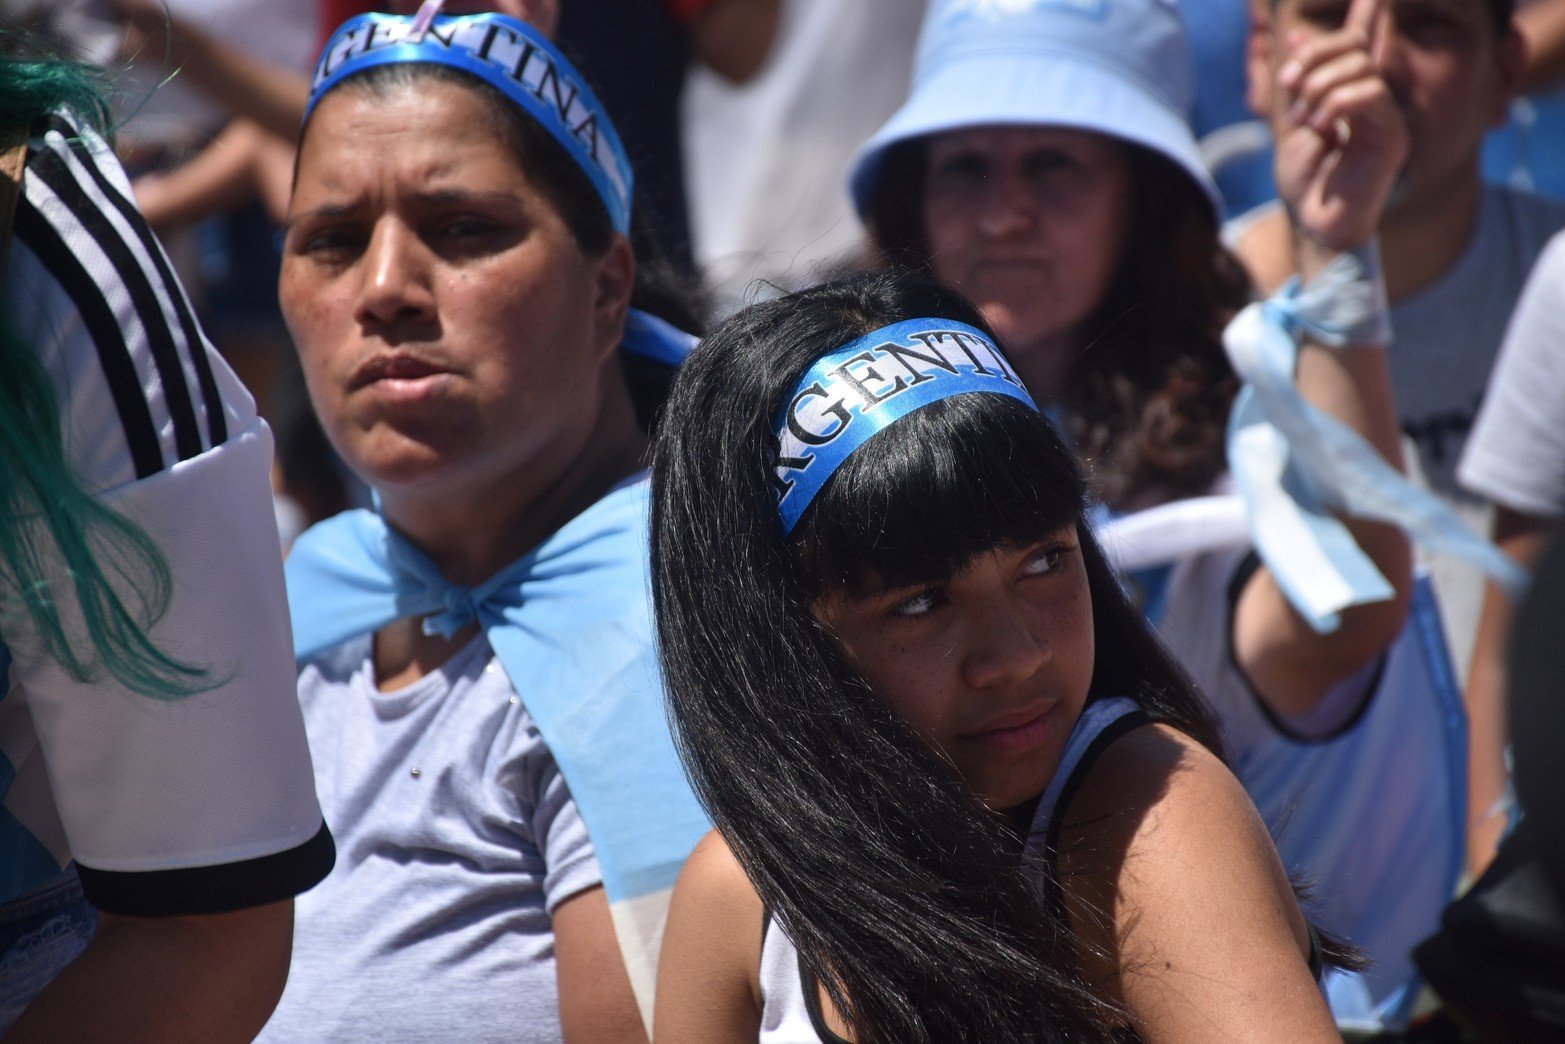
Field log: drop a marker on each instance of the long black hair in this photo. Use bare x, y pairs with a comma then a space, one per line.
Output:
904, 897
1146, 401
659, 287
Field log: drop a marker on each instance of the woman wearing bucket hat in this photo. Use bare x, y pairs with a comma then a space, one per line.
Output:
1042, 165
476, 662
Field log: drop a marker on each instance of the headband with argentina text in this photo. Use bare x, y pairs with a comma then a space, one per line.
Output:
862, 388
509, 55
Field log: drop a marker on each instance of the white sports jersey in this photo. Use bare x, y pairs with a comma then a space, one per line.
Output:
169, 806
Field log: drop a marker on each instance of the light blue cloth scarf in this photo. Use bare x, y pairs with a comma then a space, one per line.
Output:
570, 622
1299, 468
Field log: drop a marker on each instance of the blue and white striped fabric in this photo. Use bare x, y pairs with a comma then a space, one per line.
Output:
570, 622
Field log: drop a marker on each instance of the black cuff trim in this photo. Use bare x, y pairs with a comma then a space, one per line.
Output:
1242, 574
211, 889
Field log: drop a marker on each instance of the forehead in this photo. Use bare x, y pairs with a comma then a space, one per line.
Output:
434, 129
1004, 139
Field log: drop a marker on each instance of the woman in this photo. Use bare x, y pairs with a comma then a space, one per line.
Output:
158, 813
896, 657
477, 673
1042, 166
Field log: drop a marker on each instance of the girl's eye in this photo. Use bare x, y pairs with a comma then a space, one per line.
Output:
919, 605
1046, 560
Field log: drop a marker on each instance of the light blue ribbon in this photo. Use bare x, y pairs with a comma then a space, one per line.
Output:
570, 623
656, 339
509, 55
862, 388
1298, 467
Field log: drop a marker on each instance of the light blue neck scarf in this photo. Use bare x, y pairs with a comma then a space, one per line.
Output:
570, 622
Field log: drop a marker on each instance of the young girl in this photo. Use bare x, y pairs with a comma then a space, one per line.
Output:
1042, 166
960, 792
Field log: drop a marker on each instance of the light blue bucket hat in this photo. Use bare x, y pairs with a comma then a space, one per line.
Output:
1118, 67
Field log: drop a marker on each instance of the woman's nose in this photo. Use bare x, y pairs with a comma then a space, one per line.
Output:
1006, 208
396, 287
1006, 647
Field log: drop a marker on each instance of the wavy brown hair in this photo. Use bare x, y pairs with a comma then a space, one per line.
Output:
1147, 398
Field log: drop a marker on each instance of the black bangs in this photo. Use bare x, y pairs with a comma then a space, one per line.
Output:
918, 500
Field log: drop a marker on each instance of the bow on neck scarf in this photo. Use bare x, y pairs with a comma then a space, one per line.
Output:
570, 622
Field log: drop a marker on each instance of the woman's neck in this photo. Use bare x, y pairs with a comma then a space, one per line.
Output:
1045, 367
473, 530
475, 526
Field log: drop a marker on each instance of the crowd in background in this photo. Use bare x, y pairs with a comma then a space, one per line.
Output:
743, 121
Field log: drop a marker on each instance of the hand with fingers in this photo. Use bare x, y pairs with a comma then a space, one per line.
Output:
1343, 142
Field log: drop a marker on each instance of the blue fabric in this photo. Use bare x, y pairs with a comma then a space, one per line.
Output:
40, 934
1116, 67
1299, 468
834, 409
570, 622
512, 57
656, 339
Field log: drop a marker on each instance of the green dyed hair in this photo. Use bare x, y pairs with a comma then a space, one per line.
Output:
45, 514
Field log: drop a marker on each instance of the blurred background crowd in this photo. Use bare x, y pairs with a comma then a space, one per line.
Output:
741, 118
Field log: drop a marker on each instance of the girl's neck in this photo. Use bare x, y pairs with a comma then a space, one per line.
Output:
1018, 819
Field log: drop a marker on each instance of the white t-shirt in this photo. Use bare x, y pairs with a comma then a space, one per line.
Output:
1516, 456
766, 162
457, 839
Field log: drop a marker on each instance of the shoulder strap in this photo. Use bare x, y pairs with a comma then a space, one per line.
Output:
13, 163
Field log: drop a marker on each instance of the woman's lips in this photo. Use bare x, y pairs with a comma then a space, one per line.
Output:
401, 377
1023, 730
393, 367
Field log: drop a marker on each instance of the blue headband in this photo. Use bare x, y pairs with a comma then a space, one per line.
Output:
508, 55
862, 388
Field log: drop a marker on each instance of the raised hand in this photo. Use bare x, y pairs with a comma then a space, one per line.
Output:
1342, 142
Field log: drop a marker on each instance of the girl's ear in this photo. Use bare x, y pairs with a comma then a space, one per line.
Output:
614, 280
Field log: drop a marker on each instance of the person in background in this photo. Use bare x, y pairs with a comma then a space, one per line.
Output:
149, 730
476, 659
1456, 251
1043, 166
764, 159
1516, 461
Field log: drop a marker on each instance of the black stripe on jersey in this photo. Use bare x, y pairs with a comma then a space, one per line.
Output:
211, 889
195, 343
141, 436
50, 168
